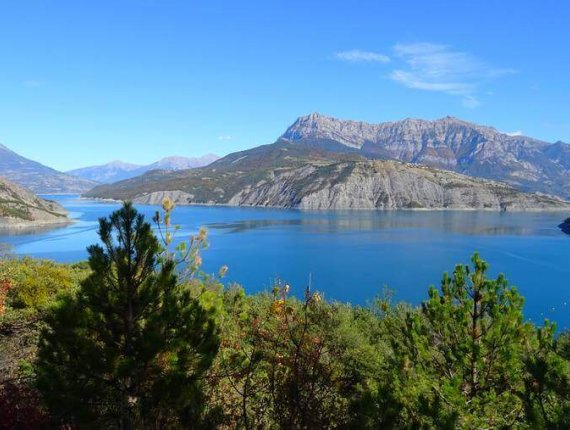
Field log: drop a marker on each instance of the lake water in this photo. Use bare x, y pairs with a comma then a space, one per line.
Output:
350, 255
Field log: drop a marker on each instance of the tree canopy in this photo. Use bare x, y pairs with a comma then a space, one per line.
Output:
131, 346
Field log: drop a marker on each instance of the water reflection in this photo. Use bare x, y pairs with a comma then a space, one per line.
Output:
243, 226
470, 223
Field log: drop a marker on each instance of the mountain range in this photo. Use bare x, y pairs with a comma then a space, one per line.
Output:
42, 179
447, 143
289, 174
325, 162
37, 177
118, 171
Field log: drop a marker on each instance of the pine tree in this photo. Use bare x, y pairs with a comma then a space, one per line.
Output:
463, 355
129, 350
547, 383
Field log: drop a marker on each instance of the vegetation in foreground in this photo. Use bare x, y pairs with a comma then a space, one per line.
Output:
140, 338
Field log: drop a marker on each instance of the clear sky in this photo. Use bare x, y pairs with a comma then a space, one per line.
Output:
84, 82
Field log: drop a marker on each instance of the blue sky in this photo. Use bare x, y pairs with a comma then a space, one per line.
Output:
86, 82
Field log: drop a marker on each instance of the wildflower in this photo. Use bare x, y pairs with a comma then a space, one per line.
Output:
197, 260
277, 306
223, 271
167, 204
202, 234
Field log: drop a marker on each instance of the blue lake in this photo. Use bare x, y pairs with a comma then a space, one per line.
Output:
350, 255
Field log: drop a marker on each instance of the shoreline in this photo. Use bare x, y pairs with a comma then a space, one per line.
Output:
438, 209
24, 225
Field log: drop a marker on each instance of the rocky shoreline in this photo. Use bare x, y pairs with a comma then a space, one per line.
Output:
152, 201
16, 224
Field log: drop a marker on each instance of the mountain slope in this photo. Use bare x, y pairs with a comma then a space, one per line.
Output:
37, 177
300, 176
230, 173
118, 171
447, 143
21, 207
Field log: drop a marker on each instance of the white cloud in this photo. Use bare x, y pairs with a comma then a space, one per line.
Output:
514, 133
225, 137
413, 80
358, 56
431, 67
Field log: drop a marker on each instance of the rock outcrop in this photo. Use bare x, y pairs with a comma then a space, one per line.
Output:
20, 207
387, 185
157, 197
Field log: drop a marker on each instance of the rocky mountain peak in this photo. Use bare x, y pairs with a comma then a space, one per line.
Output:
316, 116
447, 143
122, 164
316, 125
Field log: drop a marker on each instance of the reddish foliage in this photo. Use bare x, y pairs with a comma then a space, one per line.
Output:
4, 287
20, 408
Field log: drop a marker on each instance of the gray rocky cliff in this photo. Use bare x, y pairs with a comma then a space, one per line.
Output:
372, 184
388, 185
447, 143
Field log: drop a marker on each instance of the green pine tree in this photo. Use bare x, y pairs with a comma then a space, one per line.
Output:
129, 350
547, 383
462, 356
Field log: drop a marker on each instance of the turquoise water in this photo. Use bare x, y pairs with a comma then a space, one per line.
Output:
350, 256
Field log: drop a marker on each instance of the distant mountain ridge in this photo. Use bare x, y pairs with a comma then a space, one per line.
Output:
118, 170
106, 173
37, 177
447, 143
